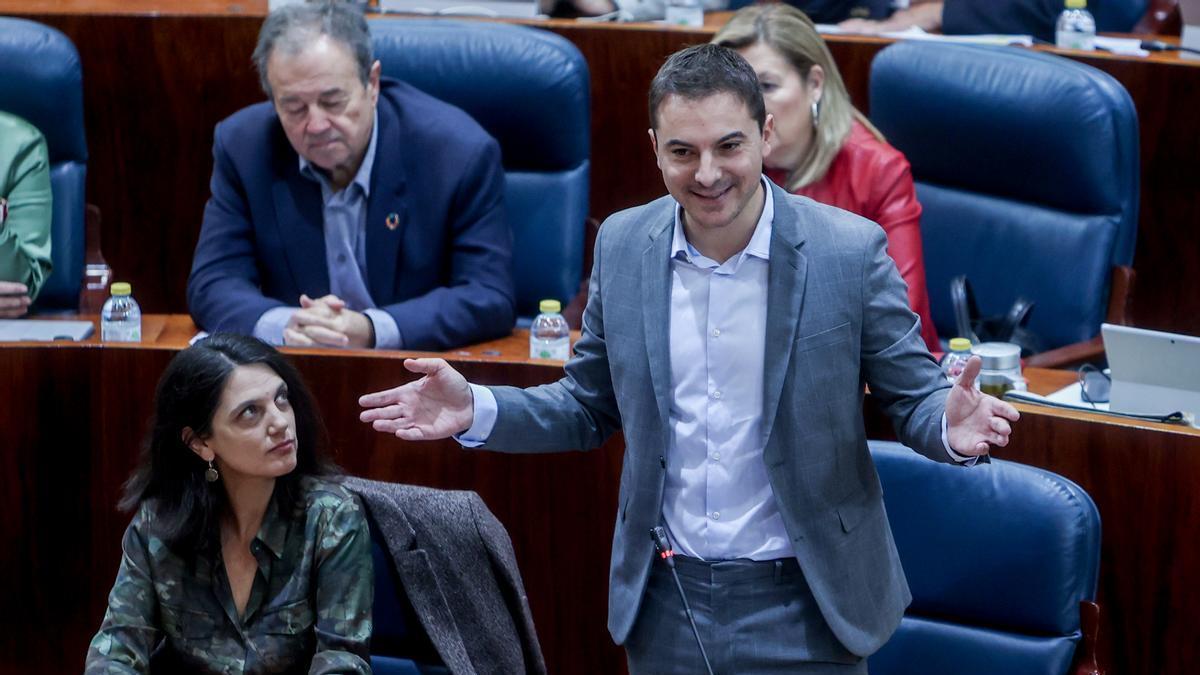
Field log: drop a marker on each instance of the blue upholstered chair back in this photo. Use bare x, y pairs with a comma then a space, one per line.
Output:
41, 80
530, 89
1118, 16
1026, 165
388, 617
998, 558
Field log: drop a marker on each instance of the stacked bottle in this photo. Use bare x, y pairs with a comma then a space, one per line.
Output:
121, 317
956, 359
1076, 28
549, 336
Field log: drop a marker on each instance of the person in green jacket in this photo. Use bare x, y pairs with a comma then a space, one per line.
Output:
24, 215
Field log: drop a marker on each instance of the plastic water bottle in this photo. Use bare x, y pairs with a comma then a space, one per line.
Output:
121, 318
549, 336
956, 359
1076, 27
685, 13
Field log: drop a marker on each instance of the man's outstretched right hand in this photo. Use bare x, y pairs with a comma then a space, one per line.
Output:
438, 405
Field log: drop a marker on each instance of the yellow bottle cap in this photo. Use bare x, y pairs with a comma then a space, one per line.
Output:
1076, 4
960, 345
549, 307
120, 288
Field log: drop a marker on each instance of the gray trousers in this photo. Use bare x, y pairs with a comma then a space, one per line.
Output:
753, 616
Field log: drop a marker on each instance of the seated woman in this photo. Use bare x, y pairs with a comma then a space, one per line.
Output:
824, 148
24, 215
245, 554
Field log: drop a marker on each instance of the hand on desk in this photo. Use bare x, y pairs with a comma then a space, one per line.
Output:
14, 300
326, 322
438, 405
975, 420
926, 16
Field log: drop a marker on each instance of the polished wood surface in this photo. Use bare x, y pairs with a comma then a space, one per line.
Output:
74, 414
159, 75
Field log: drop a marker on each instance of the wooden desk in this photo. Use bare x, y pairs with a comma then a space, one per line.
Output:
73, 414
71, 420
159, 75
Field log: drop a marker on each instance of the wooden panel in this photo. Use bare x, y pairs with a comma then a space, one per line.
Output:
71, 438
69, 433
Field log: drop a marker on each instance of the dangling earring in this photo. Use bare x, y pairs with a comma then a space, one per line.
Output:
210, 474
816, 113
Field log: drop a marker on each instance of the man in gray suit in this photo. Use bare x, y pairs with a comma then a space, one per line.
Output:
729, 330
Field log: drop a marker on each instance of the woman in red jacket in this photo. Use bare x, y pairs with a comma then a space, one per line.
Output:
824, 148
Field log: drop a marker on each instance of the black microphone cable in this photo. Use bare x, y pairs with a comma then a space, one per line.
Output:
659, 535
1160, 46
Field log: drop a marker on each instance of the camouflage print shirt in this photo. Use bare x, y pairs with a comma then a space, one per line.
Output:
309, 608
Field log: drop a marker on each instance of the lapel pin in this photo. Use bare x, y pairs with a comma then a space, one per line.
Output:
393, 221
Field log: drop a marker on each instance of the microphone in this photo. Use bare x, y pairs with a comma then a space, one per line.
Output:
659, 535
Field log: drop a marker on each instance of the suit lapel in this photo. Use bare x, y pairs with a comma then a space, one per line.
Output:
387, 213
656, 307
786, 277
300, 218
418, 581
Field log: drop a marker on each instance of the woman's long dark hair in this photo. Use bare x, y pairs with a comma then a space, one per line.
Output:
187, 508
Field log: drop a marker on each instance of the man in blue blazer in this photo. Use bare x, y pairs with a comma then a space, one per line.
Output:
729, 330
1007, 17
350, 210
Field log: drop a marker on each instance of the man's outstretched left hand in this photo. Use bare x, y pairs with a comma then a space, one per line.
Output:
976, 421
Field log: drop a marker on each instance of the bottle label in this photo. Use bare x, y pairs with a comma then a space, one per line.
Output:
1070, 39
558, 349
120, 331
693, 17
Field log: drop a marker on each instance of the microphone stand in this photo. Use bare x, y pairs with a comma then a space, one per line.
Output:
659, 535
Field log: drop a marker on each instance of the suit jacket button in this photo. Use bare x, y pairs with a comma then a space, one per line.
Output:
662, 461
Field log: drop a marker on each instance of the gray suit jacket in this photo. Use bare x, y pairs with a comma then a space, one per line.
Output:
456, 563
837, 318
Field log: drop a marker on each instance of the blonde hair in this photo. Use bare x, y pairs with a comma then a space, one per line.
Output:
790, 32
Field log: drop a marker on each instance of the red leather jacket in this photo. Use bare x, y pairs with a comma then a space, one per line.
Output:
872, 179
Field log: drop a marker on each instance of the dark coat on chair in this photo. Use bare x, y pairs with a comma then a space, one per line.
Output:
456, 563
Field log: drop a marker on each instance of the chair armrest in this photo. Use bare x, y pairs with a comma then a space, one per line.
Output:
1162, 17
97, 275
1120, 305
1120, 296
1087, 661
574, 309
1069, 356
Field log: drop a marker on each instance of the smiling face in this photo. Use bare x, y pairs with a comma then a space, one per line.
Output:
710, 151
789, 97
326, 111
253, 430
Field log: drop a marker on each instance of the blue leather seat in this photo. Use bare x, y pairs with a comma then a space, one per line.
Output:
998, 557
388, 616
41, 80
530, 89
1026, 165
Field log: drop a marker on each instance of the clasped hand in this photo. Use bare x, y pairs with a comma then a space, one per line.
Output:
326, 322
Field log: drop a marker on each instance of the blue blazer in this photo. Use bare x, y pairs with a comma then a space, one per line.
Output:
444, 274
1033, 17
